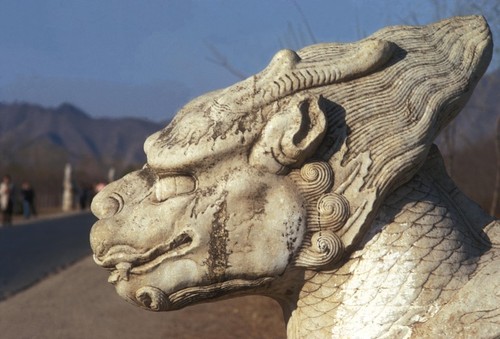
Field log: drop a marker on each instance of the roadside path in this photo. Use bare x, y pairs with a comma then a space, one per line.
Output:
45, 301
32, 250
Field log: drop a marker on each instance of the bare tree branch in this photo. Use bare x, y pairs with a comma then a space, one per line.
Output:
305, 22
294, 39
220, 59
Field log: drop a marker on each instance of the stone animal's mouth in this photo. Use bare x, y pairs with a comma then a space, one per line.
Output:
124, 259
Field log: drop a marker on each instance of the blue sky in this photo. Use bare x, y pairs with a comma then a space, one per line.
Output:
147, 58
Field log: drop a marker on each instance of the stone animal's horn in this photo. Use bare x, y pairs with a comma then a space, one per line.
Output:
288, 73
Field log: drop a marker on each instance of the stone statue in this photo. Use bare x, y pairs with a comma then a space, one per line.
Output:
67, 198
316, 182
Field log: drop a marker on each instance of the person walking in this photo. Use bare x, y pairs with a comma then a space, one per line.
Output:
28, 196
6, 201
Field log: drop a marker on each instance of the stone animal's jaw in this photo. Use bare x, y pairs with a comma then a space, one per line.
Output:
154, 299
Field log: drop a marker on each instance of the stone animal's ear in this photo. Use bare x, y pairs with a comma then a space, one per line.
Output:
291, 136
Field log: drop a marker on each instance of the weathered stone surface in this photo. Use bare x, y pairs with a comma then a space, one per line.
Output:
315, 182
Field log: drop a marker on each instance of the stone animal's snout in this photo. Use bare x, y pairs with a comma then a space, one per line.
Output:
107, 204
128, 206
124, 206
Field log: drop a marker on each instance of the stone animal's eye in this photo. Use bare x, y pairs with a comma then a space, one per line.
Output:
171, 186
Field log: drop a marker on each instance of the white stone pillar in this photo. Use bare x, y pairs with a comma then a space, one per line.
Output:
67, 198
111, 175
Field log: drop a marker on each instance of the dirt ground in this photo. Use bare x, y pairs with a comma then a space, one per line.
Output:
78, 303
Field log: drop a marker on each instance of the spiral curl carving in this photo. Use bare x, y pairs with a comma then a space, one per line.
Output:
333, 211
326, 248
152, 298
314, 178
327, 212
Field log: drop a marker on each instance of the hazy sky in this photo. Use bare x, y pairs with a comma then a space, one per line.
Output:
147, 58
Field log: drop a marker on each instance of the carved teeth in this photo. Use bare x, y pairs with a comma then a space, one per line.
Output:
114, 277
121, 273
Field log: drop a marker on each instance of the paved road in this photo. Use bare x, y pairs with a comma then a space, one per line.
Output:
30, 252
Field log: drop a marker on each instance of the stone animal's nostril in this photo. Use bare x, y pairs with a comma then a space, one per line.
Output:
106, 207
100, 250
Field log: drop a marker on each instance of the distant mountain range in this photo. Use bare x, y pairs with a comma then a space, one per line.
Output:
31, 135
36, 142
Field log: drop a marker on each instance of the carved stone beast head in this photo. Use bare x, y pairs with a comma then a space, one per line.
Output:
283, 172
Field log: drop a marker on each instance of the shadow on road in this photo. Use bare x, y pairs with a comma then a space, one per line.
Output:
32, 251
